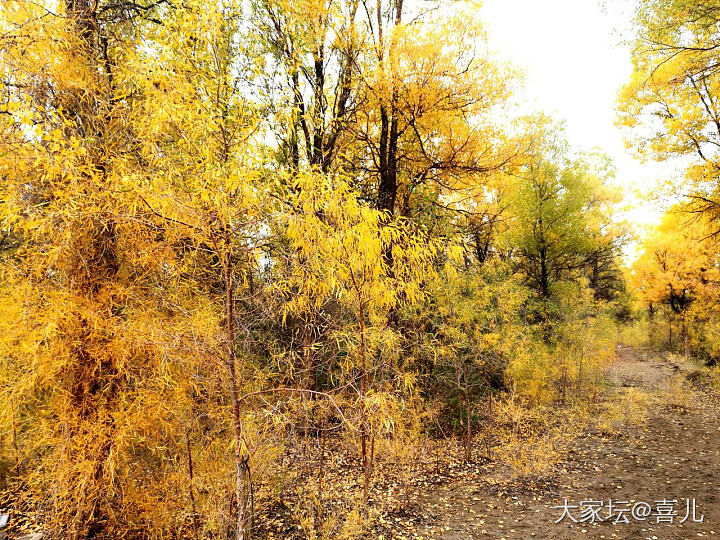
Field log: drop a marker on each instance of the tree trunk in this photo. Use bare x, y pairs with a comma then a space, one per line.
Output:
242, 467
363, 418
544, 278
468, 430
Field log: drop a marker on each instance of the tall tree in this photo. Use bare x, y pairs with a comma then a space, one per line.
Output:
670, 104
677, 268
132, 196
560, 213
64, 128
426, 125
311, 53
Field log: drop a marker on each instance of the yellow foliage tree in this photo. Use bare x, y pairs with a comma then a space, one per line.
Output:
341, 246
670, 104
123, 181
678, 270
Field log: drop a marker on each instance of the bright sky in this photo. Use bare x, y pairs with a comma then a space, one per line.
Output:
575, 62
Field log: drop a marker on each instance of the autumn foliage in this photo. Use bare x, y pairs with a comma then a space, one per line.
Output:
245, 245
669, 108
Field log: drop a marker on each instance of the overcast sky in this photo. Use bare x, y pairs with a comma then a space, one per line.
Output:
574, 60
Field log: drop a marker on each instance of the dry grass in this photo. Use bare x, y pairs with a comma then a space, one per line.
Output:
629, 409
530, 456
532, 440
678, 393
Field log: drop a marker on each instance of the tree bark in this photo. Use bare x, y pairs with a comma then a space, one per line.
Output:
242, 467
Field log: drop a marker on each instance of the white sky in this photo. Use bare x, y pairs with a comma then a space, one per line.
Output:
574, 61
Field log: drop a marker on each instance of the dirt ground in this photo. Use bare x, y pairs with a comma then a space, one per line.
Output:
674, 455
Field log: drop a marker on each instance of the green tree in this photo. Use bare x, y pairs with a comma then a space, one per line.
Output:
560, 215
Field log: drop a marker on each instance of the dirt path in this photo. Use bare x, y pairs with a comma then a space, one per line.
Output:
674, 455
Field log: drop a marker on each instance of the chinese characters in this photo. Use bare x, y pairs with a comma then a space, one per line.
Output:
616, 511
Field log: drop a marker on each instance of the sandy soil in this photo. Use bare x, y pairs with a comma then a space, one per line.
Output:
675, 455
